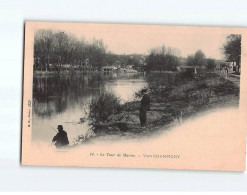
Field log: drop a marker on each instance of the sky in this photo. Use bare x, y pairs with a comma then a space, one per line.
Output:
130, 39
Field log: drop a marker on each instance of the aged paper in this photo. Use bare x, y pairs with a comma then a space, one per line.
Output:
134, 96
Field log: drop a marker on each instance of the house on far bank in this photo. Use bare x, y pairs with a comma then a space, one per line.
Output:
129, 69
109, 68
53, 67
65, 66
231, 67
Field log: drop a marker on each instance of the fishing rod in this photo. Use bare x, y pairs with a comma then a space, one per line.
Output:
52, 143
51, 127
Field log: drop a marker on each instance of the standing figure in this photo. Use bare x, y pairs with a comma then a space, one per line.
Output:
61, 139
144, 107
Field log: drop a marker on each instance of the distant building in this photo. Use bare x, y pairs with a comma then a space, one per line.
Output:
65, 66
109, 68
229, 66
129, 69
233, 67
129, 66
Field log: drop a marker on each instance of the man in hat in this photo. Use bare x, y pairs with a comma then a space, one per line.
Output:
61, 139
144, 107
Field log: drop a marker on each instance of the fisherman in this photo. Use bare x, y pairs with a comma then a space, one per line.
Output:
61, 139
144, 107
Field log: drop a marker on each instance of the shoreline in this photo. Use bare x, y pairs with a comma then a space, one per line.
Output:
77, 72
170, 106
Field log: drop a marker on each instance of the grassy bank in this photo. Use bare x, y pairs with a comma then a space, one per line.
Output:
171, 103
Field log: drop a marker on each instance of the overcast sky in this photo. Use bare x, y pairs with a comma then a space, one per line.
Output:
130, 39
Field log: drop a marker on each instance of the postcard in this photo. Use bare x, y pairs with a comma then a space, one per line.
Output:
134, 96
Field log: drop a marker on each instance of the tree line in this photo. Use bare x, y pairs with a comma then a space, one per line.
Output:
231, 50
199, 60
59, 48
163, 59
167, 59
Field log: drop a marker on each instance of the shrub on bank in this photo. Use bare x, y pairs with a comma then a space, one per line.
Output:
102, 106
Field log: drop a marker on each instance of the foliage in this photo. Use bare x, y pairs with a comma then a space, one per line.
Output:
198, 59
102, 106
163, 59
60, 48
190, 61
232, 48
119, 60
211, 63
185, 97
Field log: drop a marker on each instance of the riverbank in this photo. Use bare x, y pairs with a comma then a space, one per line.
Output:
171, 104
61, 73
77, 72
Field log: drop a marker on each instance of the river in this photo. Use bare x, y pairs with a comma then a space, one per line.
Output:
64, 100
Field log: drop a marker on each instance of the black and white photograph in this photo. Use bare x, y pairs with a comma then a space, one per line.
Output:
123, 96
138, 96
90, 86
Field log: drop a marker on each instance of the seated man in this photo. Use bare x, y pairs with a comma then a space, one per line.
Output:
61, 139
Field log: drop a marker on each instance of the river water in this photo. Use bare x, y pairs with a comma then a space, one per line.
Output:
64, 100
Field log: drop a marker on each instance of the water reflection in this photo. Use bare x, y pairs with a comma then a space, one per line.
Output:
62, 100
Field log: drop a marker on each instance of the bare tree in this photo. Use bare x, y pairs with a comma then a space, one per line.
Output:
43, 45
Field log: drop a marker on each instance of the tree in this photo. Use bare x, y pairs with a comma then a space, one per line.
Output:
211, 64
232, 49
198, 60
59, 48
43, 45
190, 60
132, 60
97, 54
162, 58
61, 43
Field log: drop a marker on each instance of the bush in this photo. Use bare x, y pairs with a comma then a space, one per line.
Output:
101, 107
183, 88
